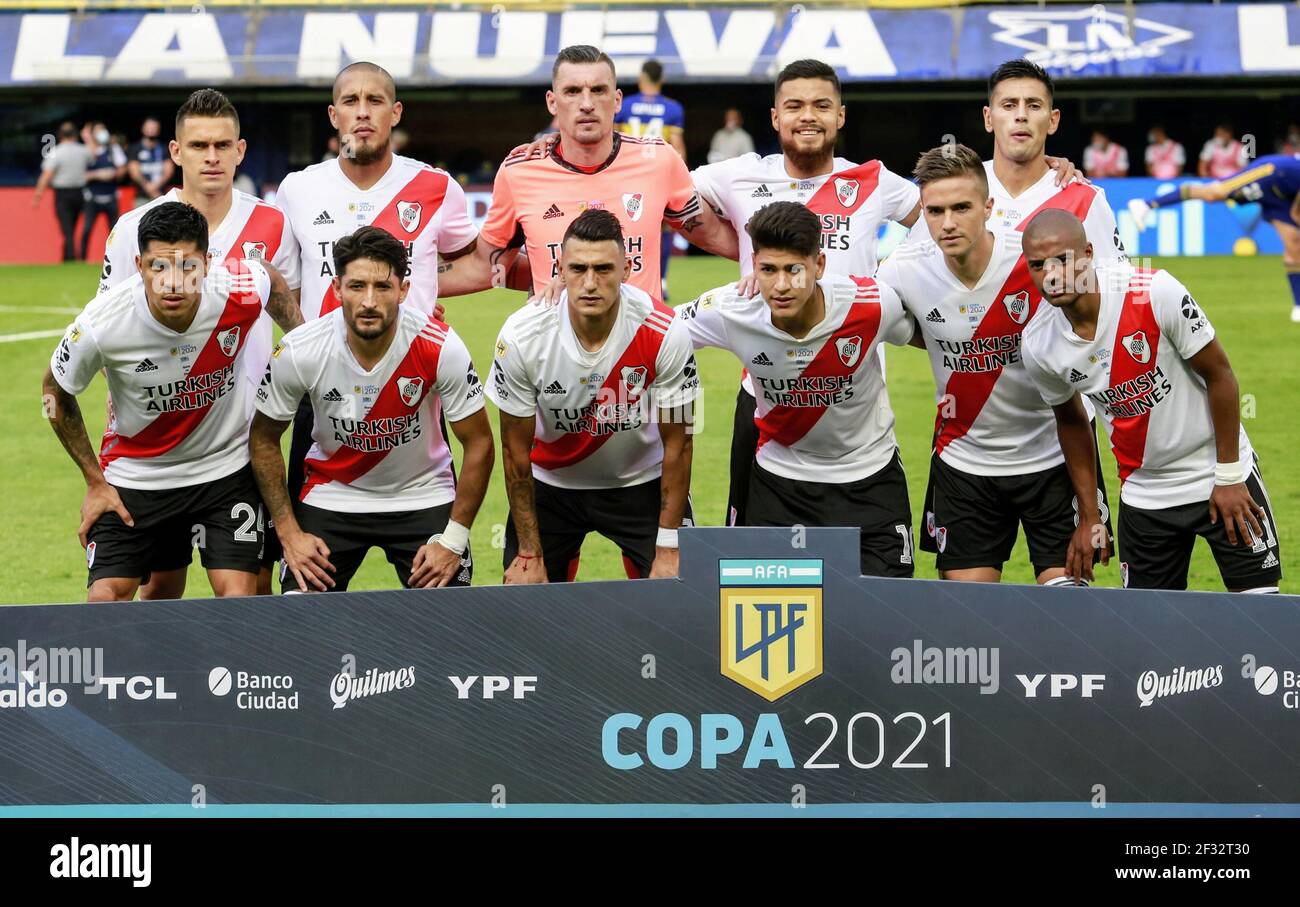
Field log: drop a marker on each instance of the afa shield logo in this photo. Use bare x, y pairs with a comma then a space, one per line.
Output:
409, 390
771, 614
408, 214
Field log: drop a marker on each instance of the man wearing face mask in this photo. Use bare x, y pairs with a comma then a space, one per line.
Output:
148, 164
107, 170
1165, 158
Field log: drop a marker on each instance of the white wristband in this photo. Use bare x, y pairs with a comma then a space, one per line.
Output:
667, 538
454, 538
1231, 473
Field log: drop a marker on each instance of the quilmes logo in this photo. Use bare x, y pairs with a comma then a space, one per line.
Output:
771, 623
1152, 686
1090, 36
951, 665
347, 686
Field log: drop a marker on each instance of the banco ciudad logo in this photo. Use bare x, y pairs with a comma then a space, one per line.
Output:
771, 612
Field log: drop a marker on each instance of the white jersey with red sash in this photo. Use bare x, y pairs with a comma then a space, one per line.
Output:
378, 445
1155, 408
1085, 201
251, 229
823, 413
420, 205
596, 410
180, 413
991, 420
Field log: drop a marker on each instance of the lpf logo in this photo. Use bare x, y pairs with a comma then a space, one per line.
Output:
771, 614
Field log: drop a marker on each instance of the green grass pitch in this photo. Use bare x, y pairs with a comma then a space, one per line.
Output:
41, 560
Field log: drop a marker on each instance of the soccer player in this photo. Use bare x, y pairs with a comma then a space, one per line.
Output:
826, 450
542, 187
649, 114
596, 397
1144, 351
1273, 182
172, 470
380, 471
996, 461
368, 184
852, 201
208, 150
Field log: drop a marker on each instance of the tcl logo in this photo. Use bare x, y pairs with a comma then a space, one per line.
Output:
1060, 684
135, 687
491, 684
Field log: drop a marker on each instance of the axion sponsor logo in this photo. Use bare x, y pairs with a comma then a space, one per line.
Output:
976, 665
346, 687
1152, 686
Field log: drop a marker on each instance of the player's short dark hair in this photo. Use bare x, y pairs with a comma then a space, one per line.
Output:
786, 226
595, 225
653, 70
581, 53
808, 69
948, 161
365, 66
206, 102
373, 244
1021, 69
173, 222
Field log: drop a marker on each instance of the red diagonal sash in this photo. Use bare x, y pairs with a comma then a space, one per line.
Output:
265, 224
347, 464
427, 189
826, 200
787, 424
169, 429
643, 351
1076, 198
967, 392
1128, 434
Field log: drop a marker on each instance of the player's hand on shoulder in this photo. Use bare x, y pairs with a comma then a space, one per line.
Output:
434, 566
101, 498
1065, 171
307, 557
665, 564
536, 148
747, 286
1239, 512
525, 570
550, 296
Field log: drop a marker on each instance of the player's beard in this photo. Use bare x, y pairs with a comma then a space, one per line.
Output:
362, 154
371, 333
811, 161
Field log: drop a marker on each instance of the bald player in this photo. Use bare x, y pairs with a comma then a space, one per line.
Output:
1135, 342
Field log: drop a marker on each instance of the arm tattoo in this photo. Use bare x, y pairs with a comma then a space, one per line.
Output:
71, 430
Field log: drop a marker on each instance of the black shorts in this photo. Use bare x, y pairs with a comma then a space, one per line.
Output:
744, 442
1155, 546
972, 521
350, 536
272, 550
878, 505
628, 517
222, 518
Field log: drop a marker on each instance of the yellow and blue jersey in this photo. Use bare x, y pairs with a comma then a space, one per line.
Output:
1273, 181
650, 116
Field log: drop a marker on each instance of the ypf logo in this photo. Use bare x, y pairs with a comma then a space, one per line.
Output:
771, 614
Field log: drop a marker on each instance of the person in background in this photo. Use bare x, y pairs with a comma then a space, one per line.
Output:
731, 140
1222, 156
1290, 143
1104, 158
649, 114
65, 167
331, 149
1165, 158
401, 140
149, 164
108, 167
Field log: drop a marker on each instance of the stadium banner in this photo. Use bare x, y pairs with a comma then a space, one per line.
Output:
272, 46
770, 679
1192, 228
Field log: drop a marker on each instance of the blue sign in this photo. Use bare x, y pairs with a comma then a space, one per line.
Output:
1192, 228
423, 47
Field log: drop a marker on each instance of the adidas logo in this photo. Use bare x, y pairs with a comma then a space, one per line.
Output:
333, 396
146, 366
322, 219
553, 211
1076, 376
935, 318
761, 192
1270, 561
760, 359
554, 387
